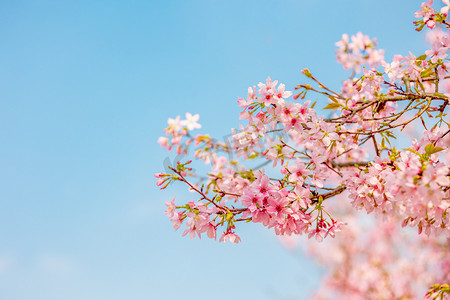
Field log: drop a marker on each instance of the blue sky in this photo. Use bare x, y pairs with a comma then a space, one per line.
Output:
86, 88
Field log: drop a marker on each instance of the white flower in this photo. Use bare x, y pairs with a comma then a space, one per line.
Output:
191, 121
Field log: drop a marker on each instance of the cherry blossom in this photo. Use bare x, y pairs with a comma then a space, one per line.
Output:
444, 10
191, 121
334, 149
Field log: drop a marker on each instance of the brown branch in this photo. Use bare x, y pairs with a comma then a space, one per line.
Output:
425, 108
375, 145
401, 97
429, 78
333, 193
435, 142
245, 219
350, 164
324, 87
195, 189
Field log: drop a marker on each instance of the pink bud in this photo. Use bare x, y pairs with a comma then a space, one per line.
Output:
405, 222
163, 141
164, 186
176, 140
160, 181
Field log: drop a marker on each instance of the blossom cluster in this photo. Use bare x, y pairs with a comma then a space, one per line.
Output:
386, 263
358, 50
430, 17
349, 155
319, 158
177, 129
411, 184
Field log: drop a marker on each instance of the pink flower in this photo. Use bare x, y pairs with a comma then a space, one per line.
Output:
163, 141
335, 227
444, 10
436, 53
361, 50
262, 185
393, 70
195, 224
317, 233
443, 70
278, 208
426, 11
303, 197
251, 200
281, 93
177, 220
171, 207
270, 85
231, 236
210, 229
298, 172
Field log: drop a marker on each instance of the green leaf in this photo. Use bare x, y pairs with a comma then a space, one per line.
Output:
431, 149
421, 85
428, 149
332, 99
253, 156
390, 134
436, 150
332, 106
440, 95
412, 150
422, 57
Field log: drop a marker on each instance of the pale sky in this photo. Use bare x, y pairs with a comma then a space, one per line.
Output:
86, 88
